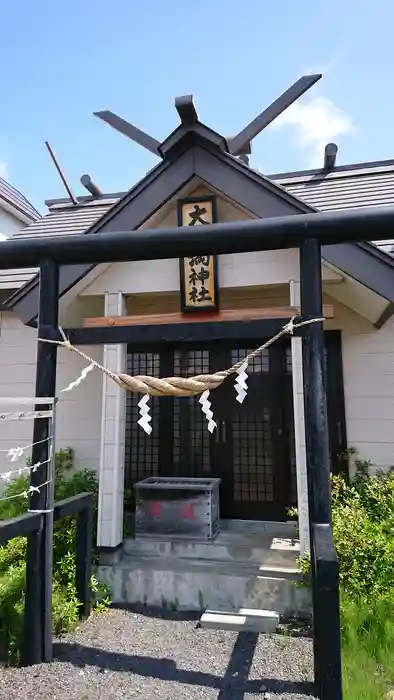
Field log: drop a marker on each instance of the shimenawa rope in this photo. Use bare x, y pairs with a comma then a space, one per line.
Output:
177, 386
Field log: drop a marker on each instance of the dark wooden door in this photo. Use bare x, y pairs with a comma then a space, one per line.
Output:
252, 450
248, 451
192, 443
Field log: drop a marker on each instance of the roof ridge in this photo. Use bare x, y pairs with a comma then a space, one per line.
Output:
18, 200
85, 199
350, 169
69, 206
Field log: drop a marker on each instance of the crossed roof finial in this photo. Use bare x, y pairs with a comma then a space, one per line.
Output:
237, 145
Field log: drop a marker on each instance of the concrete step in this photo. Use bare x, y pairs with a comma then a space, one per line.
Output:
269, 589
197, 585
245, 620
289, 573
227, 547
235, 568
260, 527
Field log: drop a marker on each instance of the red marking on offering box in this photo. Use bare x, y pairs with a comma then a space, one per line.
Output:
188, 511
156, 509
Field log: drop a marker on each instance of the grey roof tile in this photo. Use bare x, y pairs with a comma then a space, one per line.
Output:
342, 189
13, 279
366, 184
11, 195
64, 220
346, 187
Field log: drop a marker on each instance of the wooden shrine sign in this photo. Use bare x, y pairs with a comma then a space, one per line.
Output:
198, 275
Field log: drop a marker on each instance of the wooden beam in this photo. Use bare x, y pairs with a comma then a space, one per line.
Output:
132, 132
180, 318
185, 107
387, 313
148, 337
241, 142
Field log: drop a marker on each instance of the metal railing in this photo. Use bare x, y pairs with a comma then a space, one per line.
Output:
35, 617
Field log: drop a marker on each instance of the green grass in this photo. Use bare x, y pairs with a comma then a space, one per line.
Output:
368, 648
361, 678
363, 527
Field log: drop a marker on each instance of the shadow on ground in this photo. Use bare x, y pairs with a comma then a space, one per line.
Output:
234, 684
162, 613
294, 627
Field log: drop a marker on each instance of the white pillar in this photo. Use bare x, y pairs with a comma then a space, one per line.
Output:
299, 428
111, 484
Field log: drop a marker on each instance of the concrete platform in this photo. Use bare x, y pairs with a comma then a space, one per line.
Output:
231, 547
241, 568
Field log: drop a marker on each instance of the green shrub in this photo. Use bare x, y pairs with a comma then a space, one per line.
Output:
65, 606
363, 529
12, 586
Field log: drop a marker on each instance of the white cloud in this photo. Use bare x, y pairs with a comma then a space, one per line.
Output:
3, 170
334, 61
314, 124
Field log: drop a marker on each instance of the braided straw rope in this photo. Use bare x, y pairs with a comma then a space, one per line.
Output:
178, 386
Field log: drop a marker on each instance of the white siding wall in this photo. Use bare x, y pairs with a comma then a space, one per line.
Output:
247, 269
79, 412
368, 367
242, 270
9, 224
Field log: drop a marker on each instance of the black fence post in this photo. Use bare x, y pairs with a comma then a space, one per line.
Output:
83, 557
328, 667
327, 658
38, 601
313, 359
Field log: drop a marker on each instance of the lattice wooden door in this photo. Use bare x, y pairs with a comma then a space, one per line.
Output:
253, 453
249, 451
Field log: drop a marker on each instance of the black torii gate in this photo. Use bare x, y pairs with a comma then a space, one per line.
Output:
307, 232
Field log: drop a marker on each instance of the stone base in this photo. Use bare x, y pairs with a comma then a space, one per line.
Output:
252, 570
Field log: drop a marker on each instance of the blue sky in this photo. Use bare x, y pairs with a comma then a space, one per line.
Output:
63, 60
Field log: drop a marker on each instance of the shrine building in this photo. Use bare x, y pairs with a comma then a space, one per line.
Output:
198, 315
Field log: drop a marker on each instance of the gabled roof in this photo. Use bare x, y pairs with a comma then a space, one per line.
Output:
197, 155
17, 201
345, 187
66, 218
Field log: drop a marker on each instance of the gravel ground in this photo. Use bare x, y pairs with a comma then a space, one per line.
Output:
121, 654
